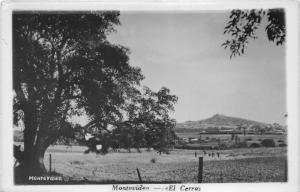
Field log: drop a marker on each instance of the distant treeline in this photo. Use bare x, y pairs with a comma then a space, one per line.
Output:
184, 130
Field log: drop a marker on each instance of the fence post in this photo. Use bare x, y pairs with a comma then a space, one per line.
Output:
50, 163
139, 175
221, 177
285, 170
200, 170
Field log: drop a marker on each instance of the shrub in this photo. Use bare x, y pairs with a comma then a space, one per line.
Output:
280, 141
268, 143
153, 160
255, 145
282, 145
242, 145
239, 145
223, 146
77, 162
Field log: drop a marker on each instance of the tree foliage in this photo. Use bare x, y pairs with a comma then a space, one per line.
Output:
148, 123
243, 24
63, 65
154, 111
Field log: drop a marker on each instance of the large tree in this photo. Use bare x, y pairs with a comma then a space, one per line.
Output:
148, 123
243, 24
63, 65
155, 109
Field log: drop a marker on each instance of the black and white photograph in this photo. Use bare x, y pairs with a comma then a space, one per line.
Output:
112, 96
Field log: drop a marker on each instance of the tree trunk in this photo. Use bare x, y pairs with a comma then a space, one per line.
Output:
36, 162
32, 165
37, 138
32, 162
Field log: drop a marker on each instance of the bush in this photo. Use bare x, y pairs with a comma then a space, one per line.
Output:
77, 162
242, 145
223, 146
282, 145
280, 141
268, 143
239, 145
255, 145
153, 160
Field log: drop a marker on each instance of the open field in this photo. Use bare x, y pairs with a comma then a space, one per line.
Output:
235, 165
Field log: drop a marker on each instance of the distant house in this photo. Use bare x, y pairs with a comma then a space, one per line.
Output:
192, 140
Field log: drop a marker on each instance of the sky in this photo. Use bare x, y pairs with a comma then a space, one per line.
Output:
183, 52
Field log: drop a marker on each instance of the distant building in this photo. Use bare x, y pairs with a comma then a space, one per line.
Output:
192, 140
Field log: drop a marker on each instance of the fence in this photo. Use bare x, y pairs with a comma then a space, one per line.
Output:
200, 170
214, 171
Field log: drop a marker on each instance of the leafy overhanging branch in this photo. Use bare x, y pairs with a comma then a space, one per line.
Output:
243, 24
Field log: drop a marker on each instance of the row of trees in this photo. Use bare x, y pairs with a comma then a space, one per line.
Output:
64, 66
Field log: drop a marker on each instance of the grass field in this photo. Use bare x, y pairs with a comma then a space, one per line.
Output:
235, 165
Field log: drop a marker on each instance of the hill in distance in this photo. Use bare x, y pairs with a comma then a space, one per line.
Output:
218, 120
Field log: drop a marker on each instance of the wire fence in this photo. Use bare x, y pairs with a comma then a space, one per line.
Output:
206, 168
